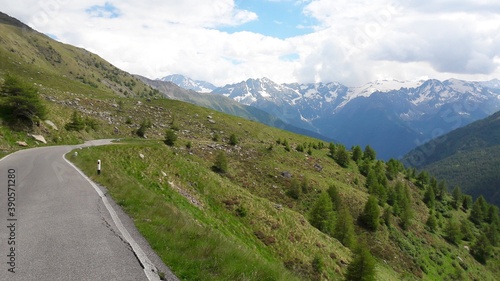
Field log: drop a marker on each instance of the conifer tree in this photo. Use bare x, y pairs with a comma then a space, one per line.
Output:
362, 266
357, 153
369, 153
370, 218
334, 196
295, 189
467, 202
365, 167
441, 190
477, 214
322, 215
332, 149
344, 227
452, 232
20, 103
481, 250
429, 197
422, 179
341, 156
431, 222
457, 197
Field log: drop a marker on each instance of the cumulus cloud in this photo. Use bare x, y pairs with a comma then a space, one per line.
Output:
352, 42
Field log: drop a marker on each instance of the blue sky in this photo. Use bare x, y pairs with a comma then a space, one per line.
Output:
226, 41
280, 19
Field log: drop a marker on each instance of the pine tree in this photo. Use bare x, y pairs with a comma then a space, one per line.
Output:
431, 222
170, 137
365, 167
362, 267
322, 215
369, 153
467, 202
344, 227
477, 214
332, 149
357, 153
404, 203
295, 189
341, 156
481, 250
457, 197
393, 168
21, 104
422, 179
441, 190
452, 232
370, 218
334, 196
429, 197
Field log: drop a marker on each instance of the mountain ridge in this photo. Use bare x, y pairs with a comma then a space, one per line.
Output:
417, 111
467, 157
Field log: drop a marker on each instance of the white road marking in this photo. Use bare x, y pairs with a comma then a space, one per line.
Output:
149, 268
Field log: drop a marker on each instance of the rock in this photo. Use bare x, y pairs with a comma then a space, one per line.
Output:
286, 175
211, 121
163, 173
141, 155
39, 138
21, 143
318, 167
51, 124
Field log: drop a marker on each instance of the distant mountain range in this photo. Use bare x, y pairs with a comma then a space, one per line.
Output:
189, 84
224, 104
391, 116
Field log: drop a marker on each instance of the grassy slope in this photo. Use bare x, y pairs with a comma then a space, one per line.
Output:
255, 184
273, 240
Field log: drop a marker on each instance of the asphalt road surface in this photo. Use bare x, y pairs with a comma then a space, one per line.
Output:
56, 225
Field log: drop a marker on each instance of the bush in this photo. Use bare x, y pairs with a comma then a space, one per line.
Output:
76, 123
20, 105
146, 124
220, 164
170, 137
233, 140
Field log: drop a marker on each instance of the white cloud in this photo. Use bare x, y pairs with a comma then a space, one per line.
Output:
355, 41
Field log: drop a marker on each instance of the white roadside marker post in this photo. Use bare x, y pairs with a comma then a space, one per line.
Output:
99, 167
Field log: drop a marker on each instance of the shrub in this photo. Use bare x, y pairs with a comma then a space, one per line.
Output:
20, 104
221, 164
76, 123
146, 124
170, 137
233, 140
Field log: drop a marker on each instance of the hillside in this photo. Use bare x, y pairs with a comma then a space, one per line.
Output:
232, 199
467, 157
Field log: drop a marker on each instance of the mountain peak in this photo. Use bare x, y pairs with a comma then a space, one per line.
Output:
188, 83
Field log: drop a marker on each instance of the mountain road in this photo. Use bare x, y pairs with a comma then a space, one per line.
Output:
55, 224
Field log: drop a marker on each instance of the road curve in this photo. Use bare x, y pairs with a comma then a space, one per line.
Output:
56, 225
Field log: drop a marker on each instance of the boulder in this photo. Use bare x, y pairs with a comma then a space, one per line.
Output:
39, 138
21, 143
51, 124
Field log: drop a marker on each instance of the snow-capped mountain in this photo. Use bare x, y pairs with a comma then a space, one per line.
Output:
188, 83
392, 116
